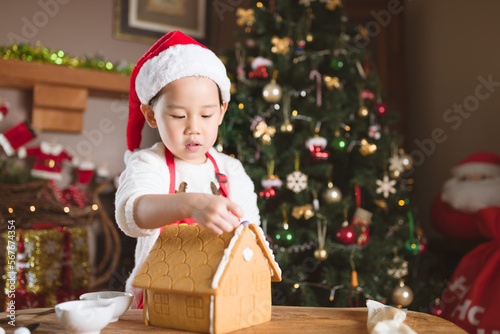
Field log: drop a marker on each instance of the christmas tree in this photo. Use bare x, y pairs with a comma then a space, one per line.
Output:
308, 120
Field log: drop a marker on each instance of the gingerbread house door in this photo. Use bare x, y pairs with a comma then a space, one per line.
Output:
247, 307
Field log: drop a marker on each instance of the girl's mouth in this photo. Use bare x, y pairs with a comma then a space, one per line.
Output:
193, 146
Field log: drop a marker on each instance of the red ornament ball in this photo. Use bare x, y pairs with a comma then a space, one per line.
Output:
346, 235
436, 310
381, 109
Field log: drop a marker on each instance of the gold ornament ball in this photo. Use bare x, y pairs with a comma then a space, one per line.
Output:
309, 38
363, 112
332, 195
287, 127
395, 173
321, 254
272, 92
402, 295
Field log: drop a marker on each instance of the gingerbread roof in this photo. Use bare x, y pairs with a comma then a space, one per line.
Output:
189, 258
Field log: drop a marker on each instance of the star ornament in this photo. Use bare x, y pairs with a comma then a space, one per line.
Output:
386, 186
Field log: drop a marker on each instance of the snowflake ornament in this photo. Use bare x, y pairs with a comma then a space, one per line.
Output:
51, 275
400, 268
51, 246
78, 242
386, 186
29, 248
31, 278
78, 272
396, 163
296, 181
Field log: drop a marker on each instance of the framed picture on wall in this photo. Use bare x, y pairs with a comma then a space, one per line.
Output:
148, 20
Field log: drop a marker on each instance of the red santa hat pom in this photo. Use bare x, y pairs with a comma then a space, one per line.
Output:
483, 163
15, 137
4, 109
172, 57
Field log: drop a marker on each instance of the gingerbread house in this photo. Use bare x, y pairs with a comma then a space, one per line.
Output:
199, 281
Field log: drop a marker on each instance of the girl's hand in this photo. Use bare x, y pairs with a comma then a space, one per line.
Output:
216, 213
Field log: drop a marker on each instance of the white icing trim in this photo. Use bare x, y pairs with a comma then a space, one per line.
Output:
247, 254
225, 257
7, 147
212, 299
270, 251
180, 61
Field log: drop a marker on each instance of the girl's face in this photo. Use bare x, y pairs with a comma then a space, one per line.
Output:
187, 114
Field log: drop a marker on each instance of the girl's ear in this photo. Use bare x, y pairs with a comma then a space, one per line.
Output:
149, 115
223, 109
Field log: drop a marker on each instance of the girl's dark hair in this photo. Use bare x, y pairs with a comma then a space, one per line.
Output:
154, 99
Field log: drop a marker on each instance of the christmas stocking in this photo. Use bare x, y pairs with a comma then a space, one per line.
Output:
14, 138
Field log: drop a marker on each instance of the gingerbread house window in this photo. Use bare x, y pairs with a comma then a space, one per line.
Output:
231, 288
260, 280
194, 307
160, 302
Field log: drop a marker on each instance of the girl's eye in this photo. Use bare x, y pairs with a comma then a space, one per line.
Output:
177, 117
206, 116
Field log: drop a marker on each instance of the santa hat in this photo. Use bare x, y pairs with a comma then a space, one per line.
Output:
172, 57
484, 163
16, 137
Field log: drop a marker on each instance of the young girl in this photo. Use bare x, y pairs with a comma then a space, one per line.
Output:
181, 88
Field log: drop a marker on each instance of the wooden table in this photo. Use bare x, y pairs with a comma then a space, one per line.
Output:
285, 319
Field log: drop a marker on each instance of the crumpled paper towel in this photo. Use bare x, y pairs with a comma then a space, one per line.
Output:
383, 319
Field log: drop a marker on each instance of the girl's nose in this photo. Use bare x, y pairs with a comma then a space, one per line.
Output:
192, 126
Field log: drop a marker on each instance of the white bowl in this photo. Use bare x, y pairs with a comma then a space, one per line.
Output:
85, 316
122, 300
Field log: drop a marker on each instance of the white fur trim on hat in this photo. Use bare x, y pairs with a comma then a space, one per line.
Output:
7, 147
476, 168
316, 141
180, 61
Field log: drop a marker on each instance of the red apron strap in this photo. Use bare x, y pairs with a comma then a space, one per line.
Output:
169, 157
221, 178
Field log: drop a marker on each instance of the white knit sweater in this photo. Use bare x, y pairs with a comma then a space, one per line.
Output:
147, 173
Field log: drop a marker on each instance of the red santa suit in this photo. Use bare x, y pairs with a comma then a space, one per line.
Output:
49, 160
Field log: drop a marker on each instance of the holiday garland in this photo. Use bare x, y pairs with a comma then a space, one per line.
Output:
41, 54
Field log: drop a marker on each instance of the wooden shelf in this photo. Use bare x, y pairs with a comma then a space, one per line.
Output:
53, 108
24, 75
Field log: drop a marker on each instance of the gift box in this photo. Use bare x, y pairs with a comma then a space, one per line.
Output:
51, 265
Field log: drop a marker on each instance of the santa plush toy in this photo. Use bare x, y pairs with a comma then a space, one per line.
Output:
475, 185
469, 207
